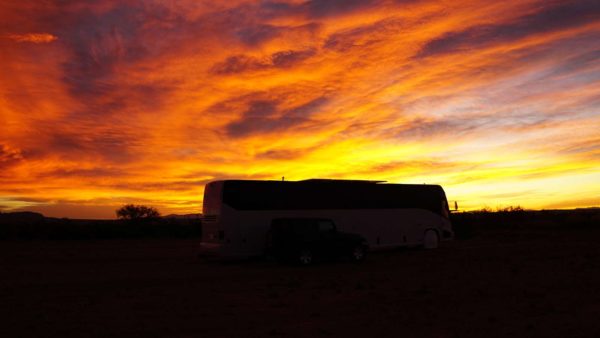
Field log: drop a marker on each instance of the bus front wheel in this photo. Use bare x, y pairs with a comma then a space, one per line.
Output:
431, 239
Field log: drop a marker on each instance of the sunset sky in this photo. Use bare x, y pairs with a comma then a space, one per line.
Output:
110, 102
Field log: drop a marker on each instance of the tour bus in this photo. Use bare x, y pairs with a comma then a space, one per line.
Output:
237, 214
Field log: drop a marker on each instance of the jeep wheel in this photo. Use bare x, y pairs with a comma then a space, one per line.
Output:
305, 257
358, 253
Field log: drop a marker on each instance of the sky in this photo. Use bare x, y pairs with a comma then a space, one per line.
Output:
104, 103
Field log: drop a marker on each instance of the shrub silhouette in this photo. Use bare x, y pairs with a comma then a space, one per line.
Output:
134, 212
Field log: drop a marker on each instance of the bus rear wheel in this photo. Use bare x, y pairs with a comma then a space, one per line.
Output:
431, 239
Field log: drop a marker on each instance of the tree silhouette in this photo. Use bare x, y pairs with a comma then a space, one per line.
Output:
137, 212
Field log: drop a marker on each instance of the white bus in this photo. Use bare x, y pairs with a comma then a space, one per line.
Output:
237, 214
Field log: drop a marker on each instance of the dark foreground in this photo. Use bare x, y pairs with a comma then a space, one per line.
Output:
525, 283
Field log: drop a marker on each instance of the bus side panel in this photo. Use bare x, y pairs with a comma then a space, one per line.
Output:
388, 227
245, 232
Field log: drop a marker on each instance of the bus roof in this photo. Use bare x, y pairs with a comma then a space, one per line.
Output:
328, 181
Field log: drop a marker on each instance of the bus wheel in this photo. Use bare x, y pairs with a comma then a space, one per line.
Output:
305, 257
359, 253
431, 240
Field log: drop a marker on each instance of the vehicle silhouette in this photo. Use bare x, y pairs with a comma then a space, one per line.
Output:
306, 240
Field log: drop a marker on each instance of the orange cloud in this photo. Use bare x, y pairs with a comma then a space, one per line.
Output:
146, 102
32, 37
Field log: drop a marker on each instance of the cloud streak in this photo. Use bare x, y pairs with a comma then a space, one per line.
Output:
32, 37
553, 18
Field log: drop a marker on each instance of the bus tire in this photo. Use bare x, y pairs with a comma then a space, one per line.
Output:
431, 239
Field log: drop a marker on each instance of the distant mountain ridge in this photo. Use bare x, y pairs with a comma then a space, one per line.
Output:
30, 216
185, 216
33, 225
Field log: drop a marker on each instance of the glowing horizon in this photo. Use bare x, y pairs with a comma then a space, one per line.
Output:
105, 102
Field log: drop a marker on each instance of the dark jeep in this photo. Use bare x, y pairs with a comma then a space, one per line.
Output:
304, 240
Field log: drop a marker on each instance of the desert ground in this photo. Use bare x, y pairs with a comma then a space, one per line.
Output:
500, 283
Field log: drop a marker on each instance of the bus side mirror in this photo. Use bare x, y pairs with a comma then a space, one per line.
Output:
455, 206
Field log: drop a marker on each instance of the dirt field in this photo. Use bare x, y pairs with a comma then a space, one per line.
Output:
528, 284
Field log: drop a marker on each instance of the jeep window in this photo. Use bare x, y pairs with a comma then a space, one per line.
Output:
326, 226
304, 227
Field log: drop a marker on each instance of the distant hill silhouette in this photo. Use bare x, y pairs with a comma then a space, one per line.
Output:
185, 216
468, 224
21, 217
32, 225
